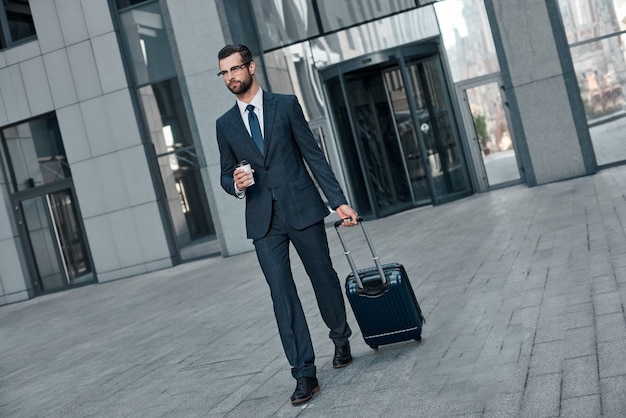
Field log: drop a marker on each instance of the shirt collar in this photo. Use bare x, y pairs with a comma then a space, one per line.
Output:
257, 102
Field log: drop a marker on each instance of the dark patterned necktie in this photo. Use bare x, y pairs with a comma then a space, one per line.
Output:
255, 128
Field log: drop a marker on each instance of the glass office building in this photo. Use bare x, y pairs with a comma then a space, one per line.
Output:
109, 165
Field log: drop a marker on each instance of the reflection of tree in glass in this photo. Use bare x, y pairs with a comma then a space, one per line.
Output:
480, 124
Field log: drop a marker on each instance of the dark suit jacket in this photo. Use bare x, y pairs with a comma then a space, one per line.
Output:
281, 172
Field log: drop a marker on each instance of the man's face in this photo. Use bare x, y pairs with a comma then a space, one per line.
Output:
237, 80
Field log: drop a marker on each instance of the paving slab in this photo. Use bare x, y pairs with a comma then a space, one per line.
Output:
523, 290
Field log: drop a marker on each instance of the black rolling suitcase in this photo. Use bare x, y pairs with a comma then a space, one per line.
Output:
382, 299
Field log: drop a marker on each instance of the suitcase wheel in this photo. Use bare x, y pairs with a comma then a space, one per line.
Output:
374, 347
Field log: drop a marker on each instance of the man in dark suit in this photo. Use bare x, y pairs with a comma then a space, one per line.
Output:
283, 206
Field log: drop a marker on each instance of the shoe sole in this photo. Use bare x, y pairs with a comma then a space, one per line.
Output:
339, 366
303, 400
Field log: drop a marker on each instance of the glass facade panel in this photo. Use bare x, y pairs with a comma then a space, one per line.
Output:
467, 38
20, 20
601, 67
595, 31
492, 133
178, 160
71, 241
408, 136
376, 136
350, 152
122, 4
437, 127
35, 152
389, 32
147, 43
341, 14
589, 19
293, 70
282, 22
36, 212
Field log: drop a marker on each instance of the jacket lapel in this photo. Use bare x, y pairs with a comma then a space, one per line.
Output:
269, 114
240, 129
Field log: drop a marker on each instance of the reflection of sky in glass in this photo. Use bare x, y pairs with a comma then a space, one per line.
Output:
400, 29
467, 38
450, 16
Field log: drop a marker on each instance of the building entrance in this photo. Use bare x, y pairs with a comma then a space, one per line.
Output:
54, 240
491, 144
396, 131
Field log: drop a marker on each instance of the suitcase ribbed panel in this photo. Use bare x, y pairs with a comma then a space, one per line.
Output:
391, 316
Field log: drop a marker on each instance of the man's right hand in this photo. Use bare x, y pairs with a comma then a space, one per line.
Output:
242, 179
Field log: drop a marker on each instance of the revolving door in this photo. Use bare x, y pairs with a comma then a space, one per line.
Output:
396, 131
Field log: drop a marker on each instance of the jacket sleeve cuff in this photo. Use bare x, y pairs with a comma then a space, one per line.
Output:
239, 193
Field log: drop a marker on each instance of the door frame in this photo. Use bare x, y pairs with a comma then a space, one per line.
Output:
478, 174
42, 192
398, 57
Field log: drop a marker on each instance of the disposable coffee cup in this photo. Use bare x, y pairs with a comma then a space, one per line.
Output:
245, 166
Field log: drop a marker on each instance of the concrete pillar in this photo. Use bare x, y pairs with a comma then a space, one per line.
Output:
541, 89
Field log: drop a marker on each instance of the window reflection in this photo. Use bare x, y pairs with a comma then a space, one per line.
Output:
599, 63
351, 156
283, 22
389, 32
147, 43
292, 70
589, 19
36, 154
467, 38
341, 14
121, 4
19, 19
178, 160
601, 77
595, 31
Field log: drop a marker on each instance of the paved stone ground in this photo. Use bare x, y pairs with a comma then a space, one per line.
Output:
523, 290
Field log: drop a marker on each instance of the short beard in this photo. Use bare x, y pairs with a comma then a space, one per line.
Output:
242, 87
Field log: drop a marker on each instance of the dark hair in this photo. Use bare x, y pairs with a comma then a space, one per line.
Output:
228, 50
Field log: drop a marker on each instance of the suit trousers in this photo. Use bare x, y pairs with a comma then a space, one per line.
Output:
311, 245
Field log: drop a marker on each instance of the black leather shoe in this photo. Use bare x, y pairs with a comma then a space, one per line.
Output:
306, 387
342, 356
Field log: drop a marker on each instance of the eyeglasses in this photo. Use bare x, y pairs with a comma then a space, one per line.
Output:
234, 70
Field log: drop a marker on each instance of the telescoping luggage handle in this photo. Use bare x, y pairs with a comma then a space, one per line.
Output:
346, 251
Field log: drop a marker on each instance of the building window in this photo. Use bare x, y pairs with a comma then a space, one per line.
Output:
147, 43
467, 37
178, 160
122, 4
286, 22
282, 22
149, 56
16, 22
35, 153
596, 32
337, 15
